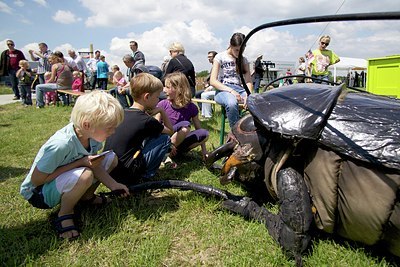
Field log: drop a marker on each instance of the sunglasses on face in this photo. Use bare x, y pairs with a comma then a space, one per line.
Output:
10, 44
323, 43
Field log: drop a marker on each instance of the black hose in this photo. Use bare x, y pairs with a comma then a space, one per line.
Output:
177, 184
343, 17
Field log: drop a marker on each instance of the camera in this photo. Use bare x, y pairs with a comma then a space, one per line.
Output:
267, 64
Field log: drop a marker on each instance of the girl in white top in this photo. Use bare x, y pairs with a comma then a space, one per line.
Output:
225, 78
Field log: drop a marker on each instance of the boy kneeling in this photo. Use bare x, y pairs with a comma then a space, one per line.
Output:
141, 141
65, 169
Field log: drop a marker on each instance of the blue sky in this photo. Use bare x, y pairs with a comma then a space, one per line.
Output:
200, 25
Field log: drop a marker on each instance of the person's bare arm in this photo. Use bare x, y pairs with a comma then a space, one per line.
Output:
160, 115
92, 162
220, 86
39, 178
247, 77
214, 78
53, 73
196, 122
114, 81
124, 89
104, 177
32, 53
18, 73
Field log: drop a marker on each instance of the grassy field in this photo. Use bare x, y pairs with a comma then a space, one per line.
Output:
158, 228
5, 90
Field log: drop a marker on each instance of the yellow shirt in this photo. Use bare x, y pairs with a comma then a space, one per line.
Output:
321, 61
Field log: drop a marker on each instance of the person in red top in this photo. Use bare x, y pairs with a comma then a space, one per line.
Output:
9, 64
77, 83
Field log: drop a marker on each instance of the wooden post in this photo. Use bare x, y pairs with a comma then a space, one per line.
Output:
91, 51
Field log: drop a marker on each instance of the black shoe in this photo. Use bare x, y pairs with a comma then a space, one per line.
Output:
16, 98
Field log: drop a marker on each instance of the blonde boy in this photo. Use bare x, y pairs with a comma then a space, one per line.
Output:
65, 169
24, 75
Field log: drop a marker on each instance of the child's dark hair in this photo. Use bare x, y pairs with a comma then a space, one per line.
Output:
237, 40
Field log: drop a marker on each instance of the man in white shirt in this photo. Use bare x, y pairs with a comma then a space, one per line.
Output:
78, 60
92, 69
80, 63
69, 61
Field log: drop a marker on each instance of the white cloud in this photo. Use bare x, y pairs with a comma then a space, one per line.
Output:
19, 3
63, 48
41, 2
65, 17
25, 20
5, 8
203, 25
195, 37
112, 13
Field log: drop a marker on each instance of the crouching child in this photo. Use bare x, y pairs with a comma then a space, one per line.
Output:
66, 169
141, 141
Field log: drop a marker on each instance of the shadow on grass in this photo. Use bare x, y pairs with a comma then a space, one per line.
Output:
27, 243
10, 172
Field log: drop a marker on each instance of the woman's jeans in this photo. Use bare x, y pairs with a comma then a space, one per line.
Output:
206, 109
321, 77
43, 88
230, 103
14, 82
257, 81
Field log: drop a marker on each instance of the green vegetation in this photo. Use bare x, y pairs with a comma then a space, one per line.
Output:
158, 228
203, 73
5, 90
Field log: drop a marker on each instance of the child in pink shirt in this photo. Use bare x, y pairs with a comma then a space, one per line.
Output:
119, 80
77, 83
50, 97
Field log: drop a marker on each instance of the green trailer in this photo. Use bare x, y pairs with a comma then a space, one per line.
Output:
384, 76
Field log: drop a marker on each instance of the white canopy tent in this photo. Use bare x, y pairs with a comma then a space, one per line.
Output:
347, 64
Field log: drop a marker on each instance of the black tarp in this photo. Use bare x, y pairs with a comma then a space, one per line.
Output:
360, 125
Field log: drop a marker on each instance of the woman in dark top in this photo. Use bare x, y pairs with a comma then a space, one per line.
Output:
180, 63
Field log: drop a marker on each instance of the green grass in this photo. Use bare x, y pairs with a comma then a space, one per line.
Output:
5, 90
159, 228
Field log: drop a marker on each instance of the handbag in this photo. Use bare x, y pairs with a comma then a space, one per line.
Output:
191, 82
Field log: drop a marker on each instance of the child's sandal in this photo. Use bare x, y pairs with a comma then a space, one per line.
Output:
60, 229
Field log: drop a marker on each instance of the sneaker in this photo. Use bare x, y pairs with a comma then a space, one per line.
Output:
16, 98
168, 163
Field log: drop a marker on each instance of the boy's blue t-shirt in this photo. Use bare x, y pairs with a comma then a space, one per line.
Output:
62, 148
